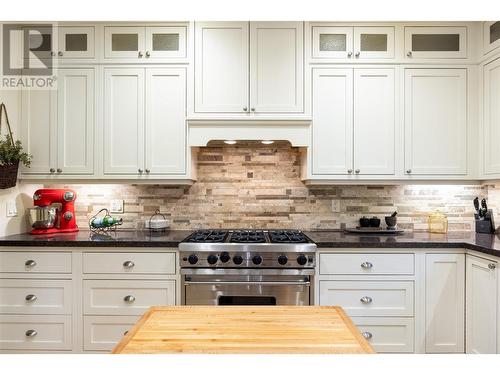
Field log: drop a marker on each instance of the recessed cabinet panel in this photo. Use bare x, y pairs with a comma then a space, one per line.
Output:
374, 121
221, 67
440, 42
332, 42
491, 35
491, 117
332, 121
374, 42
165, 42
75, 130
76, 42
165, 121
124, 42
123, 121
436, 121
276, 67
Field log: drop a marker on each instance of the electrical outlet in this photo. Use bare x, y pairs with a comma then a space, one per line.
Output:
335, 205
116, 206
11, 209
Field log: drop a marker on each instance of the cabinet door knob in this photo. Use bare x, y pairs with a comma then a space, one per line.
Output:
31, 333
408, 171
140, 54
367, 335
252, 109
366, 265
52, 170
408, 53
366, 299
147, 170
492, 266
245, 109
30, 263
349, 171
30, 298
52, 53
148, 54
140, 170
357, 171
129, 299
125, 333
59, 170
357, 54
60, 53
128, 264
349, 54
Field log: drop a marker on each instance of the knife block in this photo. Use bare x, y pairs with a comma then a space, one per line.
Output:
485, 224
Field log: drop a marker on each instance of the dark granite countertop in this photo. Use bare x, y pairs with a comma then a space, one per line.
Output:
486, 243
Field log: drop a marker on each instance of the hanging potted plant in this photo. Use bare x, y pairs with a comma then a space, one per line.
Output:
11, 153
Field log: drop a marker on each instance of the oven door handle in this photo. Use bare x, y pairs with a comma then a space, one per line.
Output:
304, 283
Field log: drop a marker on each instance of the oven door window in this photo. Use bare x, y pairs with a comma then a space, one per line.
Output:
246, 300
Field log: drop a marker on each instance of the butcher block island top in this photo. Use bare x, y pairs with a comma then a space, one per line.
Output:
244, 330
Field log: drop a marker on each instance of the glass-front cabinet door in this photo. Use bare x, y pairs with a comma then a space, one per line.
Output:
76, 42
491, 32
374, 42
442, 42
165, 42
124, 42
332, 42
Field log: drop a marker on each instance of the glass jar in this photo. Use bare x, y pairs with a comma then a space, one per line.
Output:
438, 222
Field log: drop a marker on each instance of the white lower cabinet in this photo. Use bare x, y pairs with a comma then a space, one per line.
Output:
444, 303
482, 305
102, 333
388, 335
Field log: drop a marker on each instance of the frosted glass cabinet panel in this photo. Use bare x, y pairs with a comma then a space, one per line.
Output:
167, 42
76, 42
374, 42
440, 42
332, 42
124, 42
491, 32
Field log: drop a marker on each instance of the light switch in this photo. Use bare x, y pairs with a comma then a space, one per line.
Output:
11, 209
116, 206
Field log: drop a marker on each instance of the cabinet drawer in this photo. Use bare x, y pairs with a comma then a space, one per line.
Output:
126, 297
366, 264
104, 332
369, 298
129, 263
35, 262
388, 335
35, 332
20, 296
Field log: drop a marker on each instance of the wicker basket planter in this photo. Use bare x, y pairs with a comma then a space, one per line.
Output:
8, 175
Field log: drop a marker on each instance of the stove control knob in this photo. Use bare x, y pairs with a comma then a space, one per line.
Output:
212, 259
301, 259
192, 259
237, 259
257, 260
282, 259
224, 257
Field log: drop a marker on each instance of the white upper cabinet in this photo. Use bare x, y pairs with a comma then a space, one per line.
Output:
491, 36
276, 67
356, 43
221, 67
482, 299
76, 42
243, 68
374, 121
75, 121
435, 121
58, 126
354, 118
124, 121
440, 42
444, 303
491, 117
144, 122
332, 126
144, 44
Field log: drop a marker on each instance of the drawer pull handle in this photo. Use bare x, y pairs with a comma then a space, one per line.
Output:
30, 298
129, 298
128, 264
366, 265
125, 333
31, 333
492, 266
367, 335
30, 263
366, 299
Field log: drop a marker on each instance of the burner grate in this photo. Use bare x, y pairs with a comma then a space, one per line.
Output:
247, 236
208, 236
287, 236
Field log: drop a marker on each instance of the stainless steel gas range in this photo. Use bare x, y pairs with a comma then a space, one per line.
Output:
247, 267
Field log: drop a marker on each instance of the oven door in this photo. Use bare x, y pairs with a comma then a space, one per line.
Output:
247, 287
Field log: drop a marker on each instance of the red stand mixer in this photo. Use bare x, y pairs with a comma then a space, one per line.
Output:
54, 211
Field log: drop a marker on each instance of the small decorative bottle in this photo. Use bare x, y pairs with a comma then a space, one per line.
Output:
438, 222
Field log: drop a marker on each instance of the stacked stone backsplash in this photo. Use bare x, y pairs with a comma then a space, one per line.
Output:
259, 187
